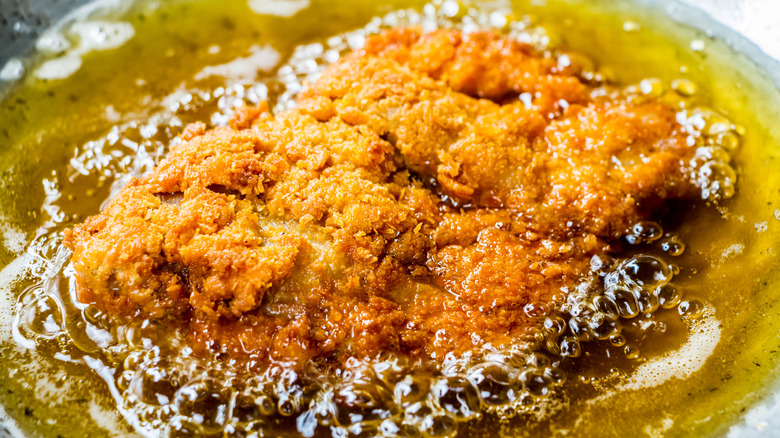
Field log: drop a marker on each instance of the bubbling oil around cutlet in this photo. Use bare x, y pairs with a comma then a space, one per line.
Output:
161, 384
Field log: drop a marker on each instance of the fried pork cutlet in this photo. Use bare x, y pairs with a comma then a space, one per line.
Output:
426, 193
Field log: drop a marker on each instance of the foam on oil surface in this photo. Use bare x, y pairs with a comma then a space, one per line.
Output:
14, 240
9, 278
12, 70
9, 424
246, 69
282, 8
703, 337
90, 36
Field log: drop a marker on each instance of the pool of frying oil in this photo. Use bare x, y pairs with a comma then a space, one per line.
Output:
67, 144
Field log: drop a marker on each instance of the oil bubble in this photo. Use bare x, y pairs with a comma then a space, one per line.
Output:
442, 425
644, 232
625, 301
246, 409
390, 369
570, 347
605, 306
364, 400
652, 87
495, 381
417, 412
684, 87
154, 385
458, 396
185, 429
536, 382
289, 404
601, 327
554, 325
579, 327
690, 309
205, 402
42, 316
672, 245
538, 360
647, 303
124, 379
410, 390
631, 352
552, 345
713, 153
617, 340
646, 271
556, 376
389, 427
728, 141
716, 180
668, 296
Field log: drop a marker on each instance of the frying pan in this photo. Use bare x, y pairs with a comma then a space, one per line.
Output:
747, 26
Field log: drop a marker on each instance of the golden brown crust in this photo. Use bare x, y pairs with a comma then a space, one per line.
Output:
413, 202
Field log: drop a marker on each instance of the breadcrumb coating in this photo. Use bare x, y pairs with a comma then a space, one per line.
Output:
430, 193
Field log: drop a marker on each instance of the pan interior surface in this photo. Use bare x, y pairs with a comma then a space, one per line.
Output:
696, 377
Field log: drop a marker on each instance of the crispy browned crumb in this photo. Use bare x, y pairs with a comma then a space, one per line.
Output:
430, 194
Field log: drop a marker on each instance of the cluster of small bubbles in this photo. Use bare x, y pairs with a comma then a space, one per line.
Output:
388, 396
216, 105
305, 66
160, 383
132, 149
715, 138
230, 98
616, 291
716, 180
392, 398
128, 150
166, 390
644, 232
